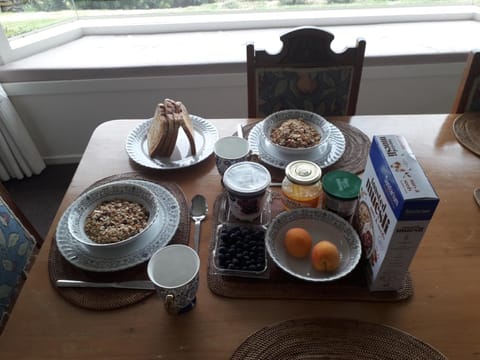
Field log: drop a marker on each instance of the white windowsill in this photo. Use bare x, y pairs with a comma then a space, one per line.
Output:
94, 51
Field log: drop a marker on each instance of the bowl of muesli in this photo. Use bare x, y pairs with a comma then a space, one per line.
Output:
296, 132
113, 214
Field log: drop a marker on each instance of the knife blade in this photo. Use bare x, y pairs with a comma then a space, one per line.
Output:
135, 284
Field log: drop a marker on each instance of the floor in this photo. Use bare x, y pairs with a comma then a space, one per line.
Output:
40, 195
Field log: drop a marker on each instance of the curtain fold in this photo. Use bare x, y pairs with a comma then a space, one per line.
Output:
19, 156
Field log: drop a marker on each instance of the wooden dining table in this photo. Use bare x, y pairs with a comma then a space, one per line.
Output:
443, 310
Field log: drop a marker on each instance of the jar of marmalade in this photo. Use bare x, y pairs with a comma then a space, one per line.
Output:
301, 186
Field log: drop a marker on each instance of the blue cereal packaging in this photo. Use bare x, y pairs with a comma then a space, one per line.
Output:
396, 204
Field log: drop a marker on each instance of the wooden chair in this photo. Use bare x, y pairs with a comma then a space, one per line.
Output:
19, 243
306, 74
468, 93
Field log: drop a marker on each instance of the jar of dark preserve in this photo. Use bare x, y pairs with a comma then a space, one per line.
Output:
341, 189
246, 183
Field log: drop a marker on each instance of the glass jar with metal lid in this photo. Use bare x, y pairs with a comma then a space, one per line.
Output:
301, 186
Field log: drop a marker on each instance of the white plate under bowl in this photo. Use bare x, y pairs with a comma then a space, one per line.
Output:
271, 156
322, 225
120, 258
205, 135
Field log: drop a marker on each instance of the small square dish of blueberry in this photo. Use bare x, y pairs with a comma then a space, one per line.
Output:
240, 250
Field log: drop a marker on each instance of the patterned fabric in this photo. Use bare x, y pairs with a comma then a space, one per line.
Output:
16, 249
473, 103
320, 90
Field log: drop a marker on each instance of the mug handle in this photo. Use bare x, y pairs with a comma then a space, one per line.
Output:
169, 306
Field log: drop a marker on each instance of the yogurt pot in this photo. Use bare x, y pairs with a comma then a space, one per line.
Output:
246, 183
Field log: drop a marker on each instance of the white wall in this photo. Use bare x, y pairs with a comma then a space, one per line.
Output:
61, 115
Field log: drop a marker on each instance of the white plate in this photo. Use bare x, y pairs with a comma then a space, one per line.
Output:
322, 225
271, 156
119, 258
205, 135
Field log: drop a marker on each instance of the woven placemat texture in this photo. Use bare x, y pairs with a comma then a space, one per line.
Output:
331, 338
107, 299
354, 159
466, 128
280, 285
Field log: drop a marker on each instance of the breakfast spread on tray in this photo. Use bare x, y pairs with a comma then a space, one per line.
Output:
295, 133
162, 134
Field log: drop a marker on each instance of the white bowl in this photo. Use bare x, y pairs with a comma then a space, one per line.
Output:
274, 120
124, 190
322, 225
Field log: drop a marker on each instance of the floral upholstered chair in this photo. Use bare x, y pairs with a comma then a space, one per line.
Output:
19, 242
468, 93
306, 74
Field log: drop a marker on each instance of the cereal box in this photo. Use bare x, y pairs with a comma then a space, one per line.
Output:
395, 206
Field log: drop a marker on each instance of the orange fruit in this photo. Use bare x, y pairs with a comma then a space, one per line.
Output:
298, 242
325, 256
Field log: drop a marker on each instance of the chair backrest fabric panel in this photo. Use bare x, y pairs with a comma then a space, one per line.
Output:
17, 247
325, 91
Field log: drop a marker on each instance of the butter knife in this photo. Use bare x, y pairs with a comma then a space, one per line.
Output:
135, 284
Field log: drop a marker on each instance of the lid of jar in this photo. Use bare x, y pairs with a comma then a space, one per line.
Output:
303, 172
246, 177
341, 184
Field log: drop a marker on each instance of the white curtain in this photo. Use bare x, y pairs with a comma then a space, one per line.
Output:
19, 157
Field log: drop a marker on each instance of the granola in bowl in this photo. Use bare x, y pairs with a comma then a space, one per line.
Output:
296, 132
113, 214
115, 220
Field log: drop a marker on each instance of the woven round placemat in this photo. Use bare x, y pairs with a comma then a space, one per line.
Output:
332, 338
280, 285
107, 299
354, 159
466, 128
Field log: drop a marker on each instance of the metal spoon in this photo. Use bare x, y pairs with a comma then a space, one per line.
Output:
198, 212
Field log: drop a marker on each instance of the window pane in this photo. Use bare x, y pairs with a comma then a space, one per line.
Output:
19, 17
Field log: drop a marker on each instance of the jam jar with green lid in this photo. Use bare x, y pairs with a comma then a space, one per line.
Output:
301, 186
341, 189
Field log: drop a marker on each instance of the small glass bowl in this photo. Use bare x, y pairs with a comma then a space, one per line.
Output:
240, 250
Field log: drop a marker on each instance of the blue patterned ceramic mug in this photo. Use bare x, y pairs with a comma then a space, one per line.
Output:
174, 270
230, 150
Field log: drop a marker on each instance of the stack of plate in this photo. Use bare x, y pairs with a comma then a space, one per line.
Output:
161, 229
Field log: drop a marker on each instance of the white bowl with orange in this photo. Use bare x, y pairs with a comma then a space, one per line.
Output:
313, 244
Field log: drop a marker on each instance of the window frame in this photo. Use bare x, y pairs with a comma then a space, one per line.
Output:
24, 46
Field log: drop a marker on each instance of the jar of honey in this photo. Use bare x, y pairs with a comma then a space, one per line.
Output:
301, 186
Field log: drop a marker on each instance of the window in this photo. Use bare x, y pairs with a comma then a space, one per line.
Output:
28, 26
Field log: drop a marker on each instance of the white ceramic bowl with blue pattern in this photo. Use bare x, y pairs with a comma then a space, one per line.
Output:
322, 225
118, 190
319, 123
